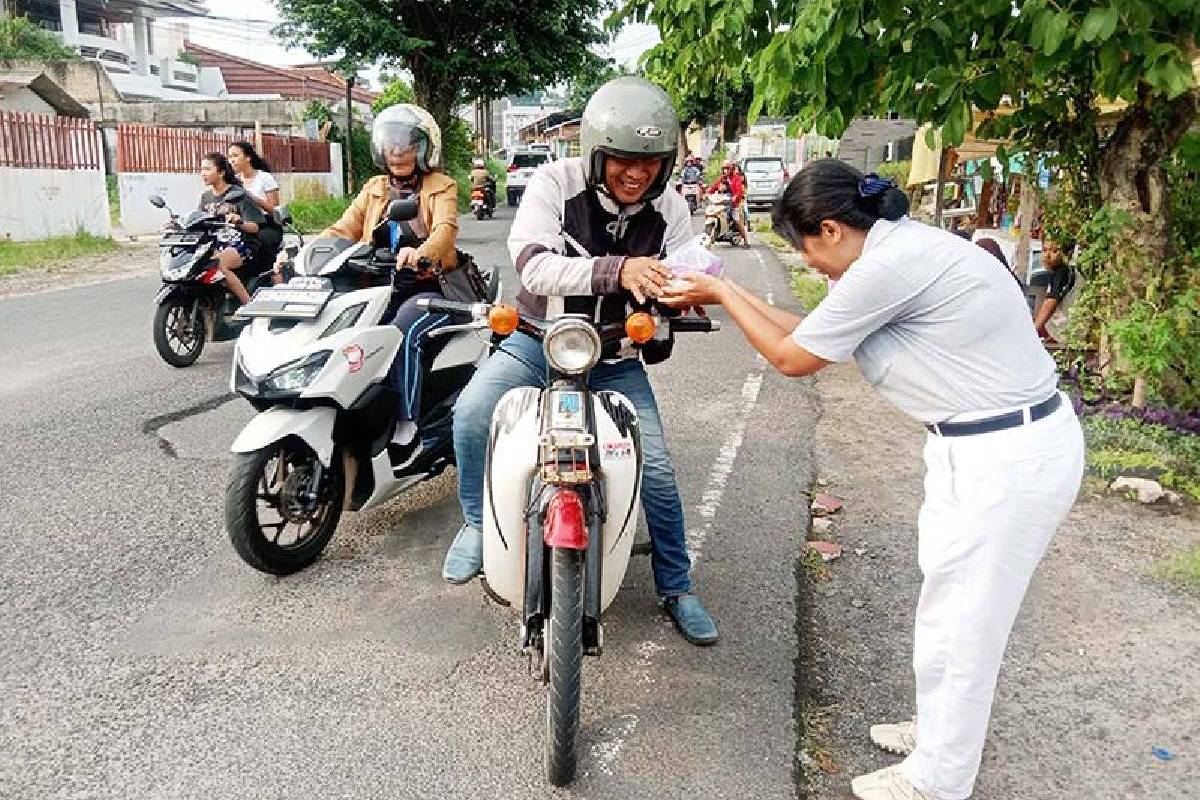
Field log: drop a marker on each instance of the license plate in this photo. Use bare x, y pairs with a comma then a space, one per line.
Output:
180, 241
766, 187
300, 299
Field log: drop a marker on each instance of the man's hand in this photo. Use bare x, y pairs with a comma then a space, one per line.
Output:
644, 277
407, 257
234, 219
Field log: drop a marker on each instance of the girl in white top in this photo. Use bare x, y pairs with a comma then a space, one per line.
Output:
262, 188
255, 175
945, 337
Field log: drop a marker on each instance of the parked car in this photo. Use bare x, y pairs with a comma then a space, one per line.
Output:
521, 166
766, 177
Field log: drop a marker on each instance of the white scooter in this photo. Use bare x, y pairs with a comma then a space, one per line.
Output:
315, 361
717, 224
561, 493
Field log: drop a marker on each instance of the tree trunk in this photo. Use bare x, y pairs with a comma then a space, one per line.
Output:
437, 96
1132, 179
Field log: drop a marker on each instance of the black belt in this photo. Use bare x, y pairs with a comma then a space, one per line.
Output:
1000, 422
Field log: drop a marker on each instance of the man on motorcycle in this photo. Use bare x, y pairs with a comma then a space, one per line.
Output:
588, 238
482, 179
693, 170
735, 185
407, 143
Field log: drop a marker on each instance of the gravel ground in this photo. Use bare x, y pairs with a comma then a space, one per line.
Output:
1103, 665
135, 258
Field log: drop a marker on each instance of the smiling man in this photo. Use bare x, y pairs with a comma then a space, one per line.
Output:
588, 238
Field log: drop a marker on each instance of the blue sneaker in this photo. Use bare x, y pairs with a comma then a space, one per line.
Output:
465, 557
689, 616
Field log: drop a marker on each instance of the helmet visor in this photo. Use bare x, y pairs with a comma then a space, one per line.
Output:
396, 139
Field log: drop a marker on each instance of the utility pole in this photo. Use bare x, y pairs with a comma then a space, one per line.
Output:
349, 136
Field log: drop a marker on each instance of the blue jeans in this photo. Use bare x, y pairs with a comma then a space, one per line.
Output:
660, 495
408, 368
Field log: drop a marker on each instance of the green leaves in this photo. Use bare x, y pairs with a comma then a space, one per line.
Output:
1055, 31
1099, 24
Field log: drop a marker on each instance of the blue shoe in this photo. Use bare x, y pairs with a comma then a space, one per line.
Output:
689, 616
465, 558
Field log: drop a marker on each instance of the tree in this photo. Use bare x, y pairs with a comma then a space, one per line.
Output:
585, 84
22, 39
456, 50
943, 61
395, 92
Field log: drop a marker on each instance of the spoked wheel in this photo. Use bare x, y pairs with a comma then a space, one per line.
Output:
282, 506
564, 654
178, 338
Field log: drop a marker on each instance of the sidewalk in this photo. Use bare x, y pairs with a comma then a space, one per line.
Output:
1103, 665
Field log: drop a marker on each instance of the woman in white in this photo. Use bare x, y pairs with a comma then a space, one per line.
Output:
944, 336
256, 178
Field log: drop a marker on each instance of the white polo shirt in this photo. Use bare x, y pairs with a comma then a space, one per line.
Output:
934, 324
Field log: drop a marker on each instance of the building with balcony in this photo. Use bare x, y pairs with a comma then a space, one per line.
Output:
139, 55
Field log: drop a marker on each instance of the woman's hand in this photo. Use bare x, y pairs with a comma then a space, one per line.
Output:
407, 258
234, 219
694, 289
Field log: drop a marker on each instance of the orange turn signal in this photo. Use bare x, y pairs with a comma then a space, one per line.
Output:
640, 327
503, 319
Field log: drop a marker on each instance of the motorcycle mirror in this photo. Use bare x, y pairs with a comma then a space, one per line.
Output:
157, 201
402, 210
282, 215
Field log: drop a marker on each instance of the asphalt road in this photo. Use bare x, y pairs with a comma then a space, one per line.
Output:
139, 658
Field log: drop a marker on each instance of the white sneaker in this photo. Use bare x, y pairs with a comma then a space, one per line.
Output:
886, 784
899, 738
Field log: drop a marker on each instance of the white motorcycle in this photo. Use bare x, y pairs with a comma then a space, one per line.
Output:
718, 226
561, 492
314, 361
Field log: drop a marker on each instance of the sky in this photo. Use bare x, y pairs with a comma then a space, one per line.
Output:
243, 28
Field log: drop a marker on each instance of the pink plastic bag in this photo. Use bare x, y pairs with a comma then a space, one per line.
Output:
695, 257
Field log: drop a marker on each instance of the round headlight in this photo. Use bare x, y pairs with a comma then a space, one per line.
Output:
572, 346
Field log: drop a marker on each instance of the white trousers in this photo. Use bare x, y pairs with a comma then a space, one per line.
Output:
992, 502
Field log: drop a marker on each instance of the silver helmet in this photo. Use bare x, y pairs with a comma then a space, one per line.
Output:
402, 126
629, 117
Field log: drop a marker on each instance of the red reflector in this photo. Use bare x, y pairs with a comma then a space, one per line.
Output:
211, 275
565, 524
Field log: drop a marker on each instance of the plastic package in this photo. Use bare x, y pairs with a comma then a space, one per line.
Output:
695, 257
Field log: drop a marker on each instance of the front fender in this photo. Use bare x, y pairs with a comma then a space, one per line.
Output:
313, 425
170, 290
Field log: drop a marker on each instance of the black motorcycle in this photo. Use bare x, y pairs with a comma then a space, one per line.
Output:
193, 304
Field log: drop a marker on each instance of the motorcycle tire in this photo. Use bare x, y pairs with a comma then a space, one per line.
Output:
248, 485
565, 657
166, 316
692, 205
479, 212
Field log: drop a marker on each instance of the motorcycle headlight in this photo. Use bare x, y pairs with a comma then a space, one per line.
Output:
572, 346
297, 375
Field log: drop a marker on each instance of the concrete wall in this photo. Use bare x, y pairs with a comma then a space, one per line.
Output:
40, 203
24, 99
182, 193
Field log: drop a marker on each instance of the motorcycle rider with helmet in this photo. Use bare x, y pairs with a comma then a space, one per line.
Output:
482, 179
407, 143
587, 239
735, 184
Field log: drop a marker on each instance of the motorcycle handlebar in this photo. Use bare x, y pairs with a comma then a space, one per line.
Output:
453, 308
695, 325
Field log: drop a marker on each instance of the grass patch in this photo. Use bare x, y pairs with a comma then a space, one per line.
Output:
1134, 448
20, 256
1184, 569
114, 200
809, 289
314, 215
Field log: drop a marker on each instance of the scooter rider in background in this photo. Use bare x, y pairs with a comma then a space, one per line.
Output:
407, 142
737, 197
586, 239
482, 179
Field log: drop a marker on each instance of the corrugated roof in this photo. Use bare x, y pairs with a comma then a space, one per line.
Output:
243, 76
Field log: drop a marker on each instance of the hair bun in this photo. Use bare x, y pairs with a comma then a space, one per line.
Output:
893, 204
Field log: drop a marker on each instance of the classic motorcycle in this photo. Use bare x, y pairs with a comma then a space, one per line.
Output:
314, 361
718, 227
561, 494
193, 304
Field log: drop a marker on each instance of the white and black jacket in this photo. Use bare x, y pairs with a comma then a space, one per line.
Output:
568, 243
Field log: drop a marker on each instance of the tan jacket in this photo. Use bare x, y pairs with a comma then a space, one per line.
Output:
439, 212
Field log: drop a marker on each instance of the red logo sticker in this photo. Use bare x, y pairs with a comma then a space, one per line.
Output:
354, 357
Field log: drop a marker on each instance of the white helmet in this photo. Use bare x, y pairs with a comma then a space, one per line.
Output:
402, 126
478, 163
